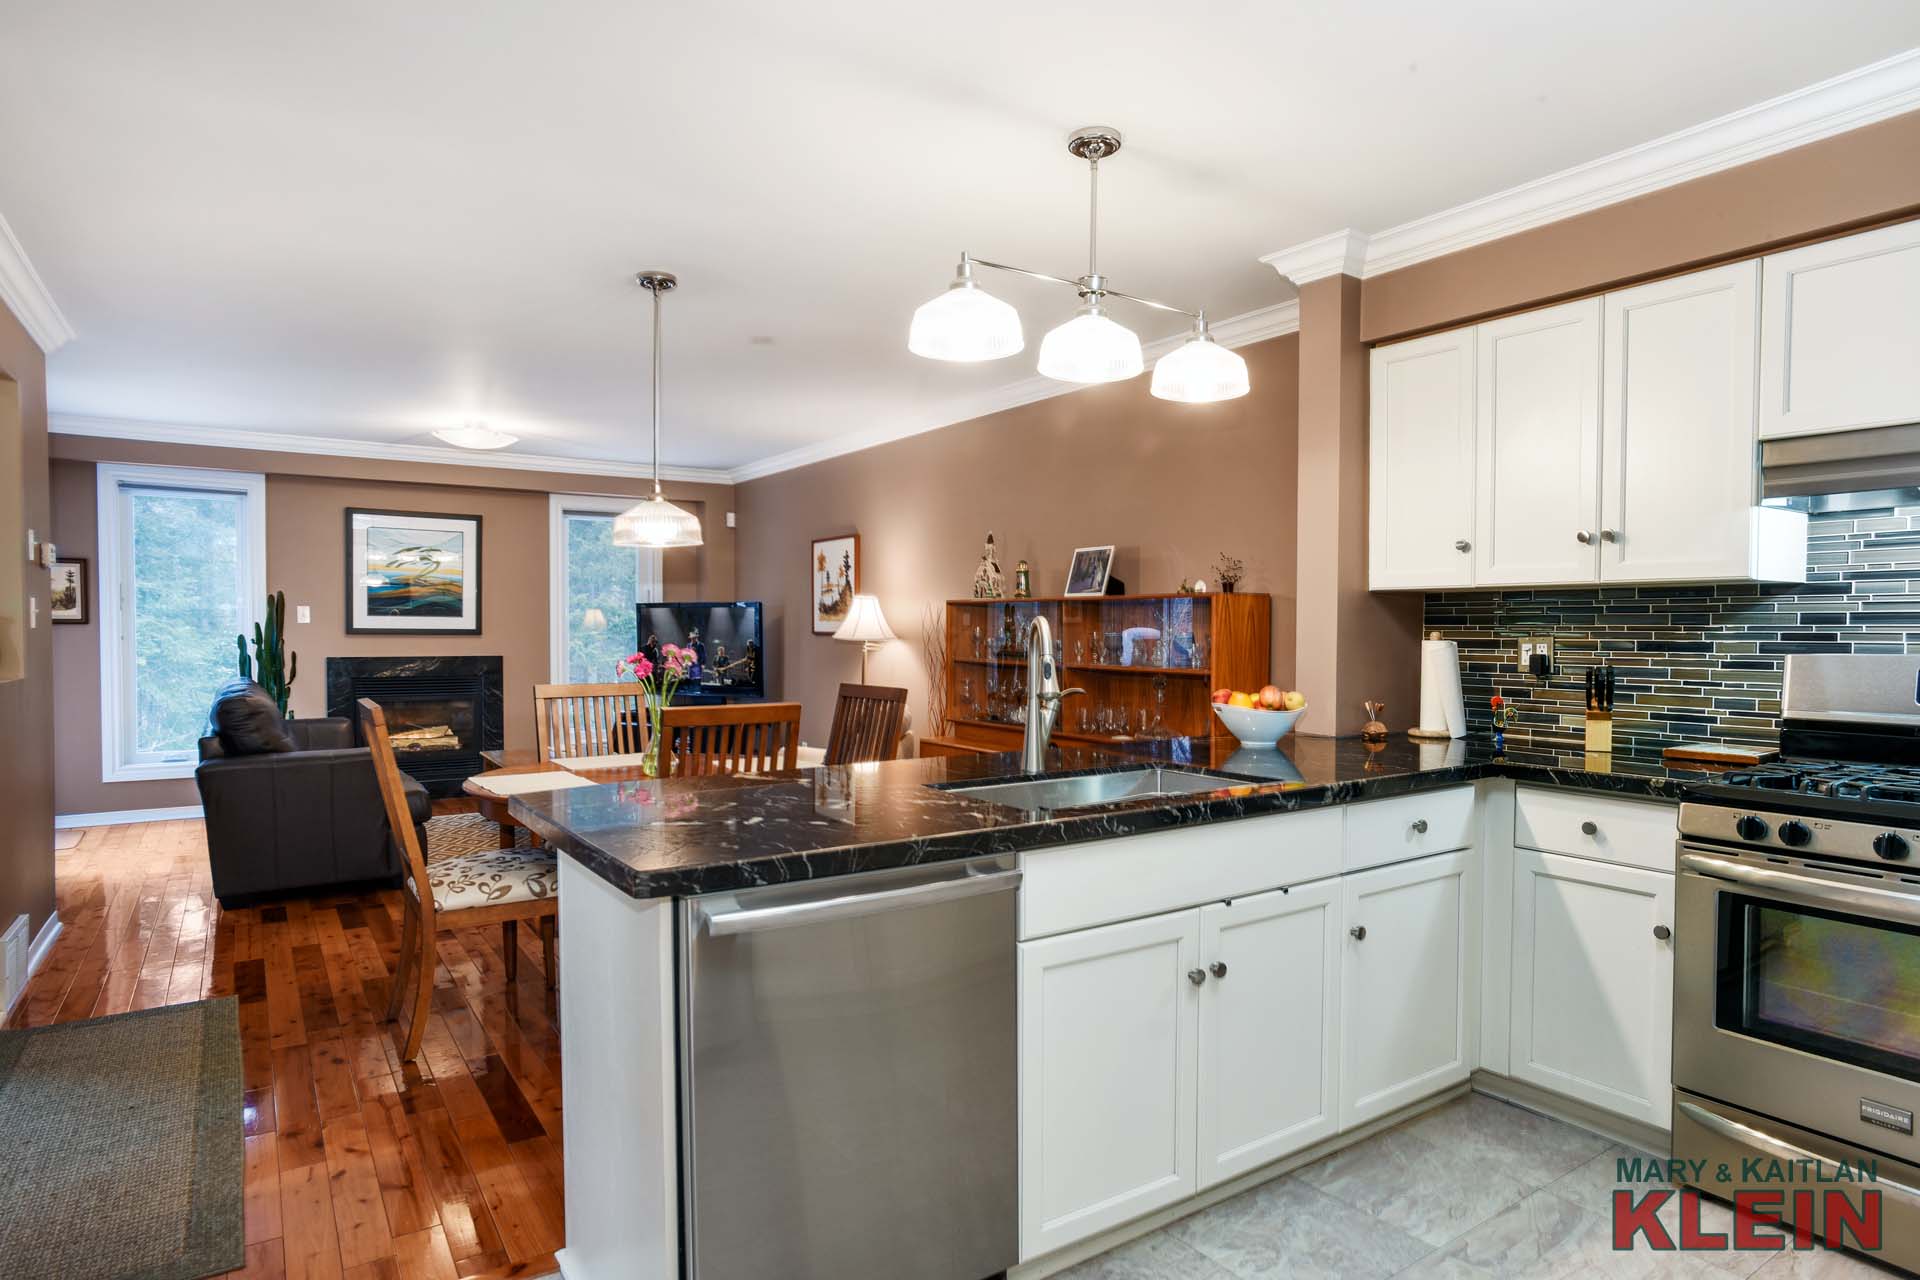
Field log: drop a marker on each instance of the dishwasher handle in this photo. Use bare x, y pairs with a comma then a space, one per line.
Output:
758, 919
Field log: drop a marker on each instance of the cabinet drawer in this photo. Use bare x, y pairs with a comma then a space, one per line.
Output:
1383, 831
1629, 832
1082, 885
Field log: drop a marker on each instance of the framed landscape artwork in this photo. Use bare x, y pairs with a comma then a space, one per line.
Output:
412, 573
836, 576
67, 601
1087, 575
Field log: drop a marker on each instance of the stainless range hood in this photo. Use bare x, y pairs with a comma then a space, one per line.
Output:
1872, 458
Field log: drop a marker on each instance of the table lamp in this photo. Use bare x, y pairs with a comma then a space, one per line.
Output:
866, 625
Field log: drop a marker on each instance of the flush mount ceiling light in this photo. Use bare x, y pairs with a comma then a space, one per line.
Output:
476, 435
653, 521
967, 324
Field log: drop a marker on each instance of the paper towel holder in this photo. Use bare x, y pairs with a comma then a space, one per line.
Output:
1420, 734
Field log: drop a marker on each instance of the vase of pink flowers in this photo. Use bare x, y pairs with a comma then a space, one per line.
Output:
658, 681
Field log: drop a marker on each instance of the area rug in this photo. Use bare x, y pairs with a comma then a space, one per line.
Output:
124, 1151
449, 834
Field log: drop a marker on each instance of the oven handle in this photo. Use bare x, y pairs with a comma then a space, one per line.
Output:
1880, 902
1734, 1131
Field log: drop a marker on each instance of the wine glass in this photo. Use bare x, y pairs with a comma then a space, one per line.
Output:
979, 643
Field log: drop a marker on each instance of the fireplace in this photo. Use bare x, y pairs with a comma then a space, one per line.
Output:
441, 712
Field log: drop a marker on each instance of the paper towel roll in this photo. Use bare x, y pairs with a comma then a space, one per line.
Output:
1443, 706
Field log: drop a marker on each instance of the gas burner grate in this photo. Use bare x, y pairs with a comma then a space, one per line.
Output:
1840, 780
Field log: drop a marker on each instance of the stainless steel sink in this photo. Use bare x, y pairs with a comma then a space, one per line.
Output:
1091, 790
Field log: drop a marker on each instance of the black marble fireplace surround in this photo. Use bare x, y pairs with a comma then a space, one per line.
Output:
441, 712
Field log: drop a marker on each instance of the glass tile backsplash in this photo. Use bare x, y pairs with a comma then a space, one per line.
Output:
1692, 661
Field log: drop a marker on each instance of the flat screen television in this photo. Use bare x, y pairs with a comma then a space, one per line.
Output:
725, 636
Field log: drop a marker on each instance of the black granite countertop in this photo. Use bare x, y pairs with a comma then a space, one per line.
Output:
682, 837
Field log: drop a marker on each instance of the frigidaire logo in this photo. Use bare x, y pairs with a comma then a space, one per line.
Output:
1775, 1204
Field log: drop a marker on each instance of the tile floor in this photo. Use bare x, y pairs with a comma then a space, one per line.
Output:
1476, 1188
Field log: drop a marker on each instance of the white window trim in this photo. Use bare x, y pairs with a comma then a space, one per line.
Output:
651, 584
116, 585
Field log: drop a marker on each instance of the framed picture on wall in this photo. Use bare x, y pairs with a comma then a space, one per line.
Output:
67, 601
412, 573
1087, 575
836, 577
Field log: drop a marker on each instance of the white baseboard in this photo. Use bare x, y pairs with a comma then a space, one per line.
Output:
121, 817
36, 956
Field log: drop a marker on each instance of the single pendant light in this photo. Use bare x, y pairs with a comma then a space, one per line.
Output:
653, 521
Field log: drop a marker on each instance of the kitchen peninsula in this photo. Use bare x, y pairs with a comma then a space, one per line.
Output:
1345, 887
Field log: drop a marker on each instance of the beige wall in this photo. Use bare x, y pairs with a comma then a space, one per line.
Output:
1172, 486
306, 503
26, 705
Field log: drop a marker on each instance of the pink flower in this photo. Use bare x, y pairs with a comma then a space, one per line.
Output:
636, 665
676, 659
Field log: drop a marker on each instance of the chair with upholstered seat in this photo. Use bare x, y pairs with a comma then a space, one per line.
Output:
466, 890
743, 737
573, 720
867, 723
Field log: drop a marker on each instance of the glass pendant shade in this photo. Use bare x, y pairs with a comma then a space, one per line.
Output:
655, 522
1091, 348
965, 325
1200, 371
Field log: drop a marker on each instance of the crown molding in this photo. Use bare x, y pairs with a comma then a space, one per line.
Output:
25, 294
1343, 253
1851, 100
71, 424
1235, 331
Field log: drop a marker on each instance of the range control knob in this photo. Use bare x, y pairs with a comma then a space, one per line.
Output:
1750, 828
1795, 834
1889, 845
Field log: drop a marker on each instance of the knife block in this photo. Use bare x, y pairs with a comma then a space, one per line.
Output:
1599, 732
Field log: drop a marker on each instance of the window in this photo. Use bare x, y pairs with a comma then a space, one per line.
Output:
182, 575
595, 586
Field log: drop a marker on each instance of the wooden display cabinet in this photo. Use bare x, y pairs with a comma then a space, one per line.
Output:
1149, 664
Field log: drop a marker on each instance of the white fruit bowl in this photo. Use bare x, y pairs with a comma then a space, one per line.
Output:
1256, 726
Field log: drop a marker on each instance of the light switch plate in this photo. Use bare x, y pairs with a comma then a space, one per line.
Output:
33, 546
303, 613
729, 519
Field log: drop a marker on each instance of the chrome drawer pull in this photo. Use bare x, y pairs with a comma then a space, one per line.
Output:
1420, 826
1589, 829
1359, 933
1196, 976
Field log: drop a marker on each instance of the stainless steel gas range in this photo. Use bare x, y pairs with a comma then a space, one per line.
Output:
1797, 969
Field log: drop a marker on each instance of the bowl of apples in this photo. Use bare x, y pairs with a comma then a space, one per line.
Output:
1259, 719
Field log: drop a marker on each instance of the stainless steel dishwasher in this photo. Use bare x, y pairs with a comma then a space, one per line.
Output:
848, 1064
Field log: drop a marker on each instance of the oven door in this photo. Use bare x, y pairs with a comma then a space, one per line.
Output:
1797, 993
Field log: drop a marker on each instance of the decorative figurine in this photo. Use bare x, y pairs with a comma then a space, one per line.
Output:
986, 579
1501, 718
1022, 585
1373, 730
1199, 586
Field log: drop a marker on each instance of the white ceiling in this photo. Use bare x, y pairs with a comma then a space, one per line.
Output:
364, 220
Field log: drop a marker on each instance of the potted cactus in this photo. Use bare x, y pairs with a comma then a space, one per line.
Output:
276, 667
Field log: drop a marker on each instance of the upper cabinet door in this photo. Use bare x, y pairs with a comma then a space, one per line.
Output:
1840, 327
1420, 501
1679, 469
1538, 496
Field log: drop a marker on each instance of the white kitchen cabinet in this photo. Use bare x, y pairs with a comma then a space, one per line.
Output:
1407, 991
1592, 1011
1421, 473
1839, 328
1109, 1023
1679, 456
1537, 500
1269, 1027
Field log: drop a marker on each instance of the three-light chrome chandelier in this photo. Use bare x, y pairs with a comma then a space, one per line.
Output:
966, 324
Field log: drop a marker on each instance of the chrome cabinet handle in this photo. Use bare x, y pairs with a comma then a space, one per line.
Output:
1584, 538
1196, 976
1218, 968
1463, 545
1359, 933
1609, 535
1662, 932
1420, 826
1589, 829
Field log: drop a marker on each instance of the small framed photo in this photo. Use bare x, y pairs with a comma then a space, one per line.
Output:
412, 573
836, 577
1087, 575
67, 601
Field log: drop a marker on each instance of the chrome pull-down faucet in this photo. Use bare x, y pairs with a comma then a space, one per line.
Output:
1044, 696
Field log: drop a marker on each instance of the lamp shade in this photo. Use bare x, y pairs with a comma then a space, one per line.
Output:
1200, 371
865, 622
655, 522
594, 619
1091, 348
965, 324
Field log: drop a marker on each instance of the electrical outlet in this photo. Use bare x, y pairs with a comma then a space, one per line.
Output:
1531, 645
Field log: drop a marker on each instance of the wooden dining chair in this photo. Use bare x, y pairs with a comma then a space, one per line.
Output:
573, 720
867, 723
467, 890
743, 737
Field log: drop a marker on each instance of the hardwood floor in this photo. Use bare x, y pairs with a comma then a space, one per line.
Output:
357, 1166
